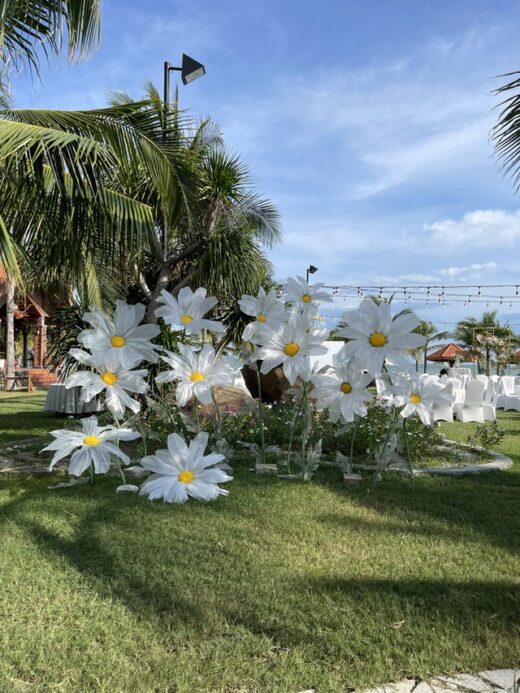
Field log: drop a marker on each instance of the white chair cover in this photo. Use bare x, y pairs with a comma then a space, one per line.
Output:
472, 409
443, 409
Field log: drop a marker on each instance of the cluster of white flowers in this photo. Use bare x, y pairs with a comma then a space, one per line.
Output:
283, 333
114, 347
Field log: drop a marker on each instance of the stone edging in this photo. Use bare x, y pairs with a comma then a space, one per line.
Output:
492, 681
499, 463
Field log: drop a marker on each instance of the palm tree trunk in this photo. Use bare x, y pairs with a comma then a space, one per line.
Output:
425, 362
162, 282
10, 308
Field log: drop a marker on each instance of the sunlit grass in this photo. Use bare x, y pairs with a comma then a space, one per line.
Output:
279, 587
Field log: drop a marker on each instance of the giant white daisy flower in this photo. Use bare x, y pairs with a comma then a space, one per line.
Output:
182, 471
110, 378
342, 390
266, 310
374, 335
120, 339
417, 397
304, 296
93, 445
196, 373
187, 310
290, 346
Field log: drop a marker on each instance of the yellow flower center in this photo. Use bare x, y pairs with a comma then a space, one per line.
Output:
196, 377
415, 399
346, 388
306, 298
91, 440
118, 341
186, 319
186, 476
261, 318
109, 378
377, 339
291, 349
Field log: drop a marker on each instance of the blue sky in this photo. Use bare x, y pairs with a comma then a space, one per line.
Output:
365, 122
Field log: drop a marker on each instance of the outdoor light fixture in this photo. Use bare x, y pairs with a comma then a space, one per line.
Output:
190, 71
311, 270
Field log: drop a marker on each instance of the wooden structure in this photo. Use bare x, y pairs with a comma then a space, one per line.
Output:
31, 315
448, 354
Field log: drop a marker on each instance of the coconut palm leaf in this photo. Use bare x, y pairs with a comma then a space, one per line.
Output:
506, 133
29, 27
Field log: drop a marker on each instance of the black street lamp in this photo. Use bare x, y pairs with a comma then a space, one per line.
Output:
310, 270
190, 71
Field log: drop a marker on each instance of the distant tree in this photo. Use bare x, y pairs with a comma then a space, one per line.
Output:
429, 331
475, 334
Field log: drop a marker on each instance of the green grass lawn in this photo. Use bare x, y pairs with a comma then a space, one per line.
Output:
279, 587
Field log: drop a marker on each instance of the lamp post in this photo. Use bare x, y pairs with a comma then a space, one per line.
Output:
310, 270
190, 70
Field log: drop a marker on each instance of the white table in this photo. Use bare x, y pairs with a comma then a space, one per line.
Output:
67, 401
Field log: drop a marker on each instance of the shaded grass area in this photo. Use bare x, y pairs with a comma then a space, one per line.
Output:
22, 416
279, 587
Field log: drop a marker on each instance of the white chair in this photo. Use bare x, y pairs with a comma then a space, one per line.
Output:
457, 390
508, 384
443, 409
490, 393
509, 402
472, 409
483, 379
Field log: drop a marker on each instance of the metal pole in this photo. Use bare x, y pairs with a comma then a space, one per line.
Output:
166, 106
166, 91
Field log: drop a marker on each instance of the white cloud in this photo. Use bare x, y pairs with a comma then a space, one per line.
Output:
474, 271
482, 227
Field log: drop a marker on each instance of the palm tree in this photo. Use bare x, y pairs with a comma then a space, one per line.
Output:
506, 133
469, 329
429, 331
218, 198
114, 196
28, 26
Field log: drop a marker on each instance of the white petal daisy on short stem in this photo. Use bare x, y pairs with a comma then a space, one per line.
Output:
187, 310
265, 309
116, 382
417, 397
121, 339
290, 346
375, 336
93, 446
182, 471
304, 296
196, 373
342, 390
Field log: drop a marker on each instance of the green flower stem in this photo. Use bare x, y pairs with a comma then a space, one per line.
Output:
306, 414
197, 416
353, 440
92, 473
297, 409
117, 462
217, 416
408, 456
260, 415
